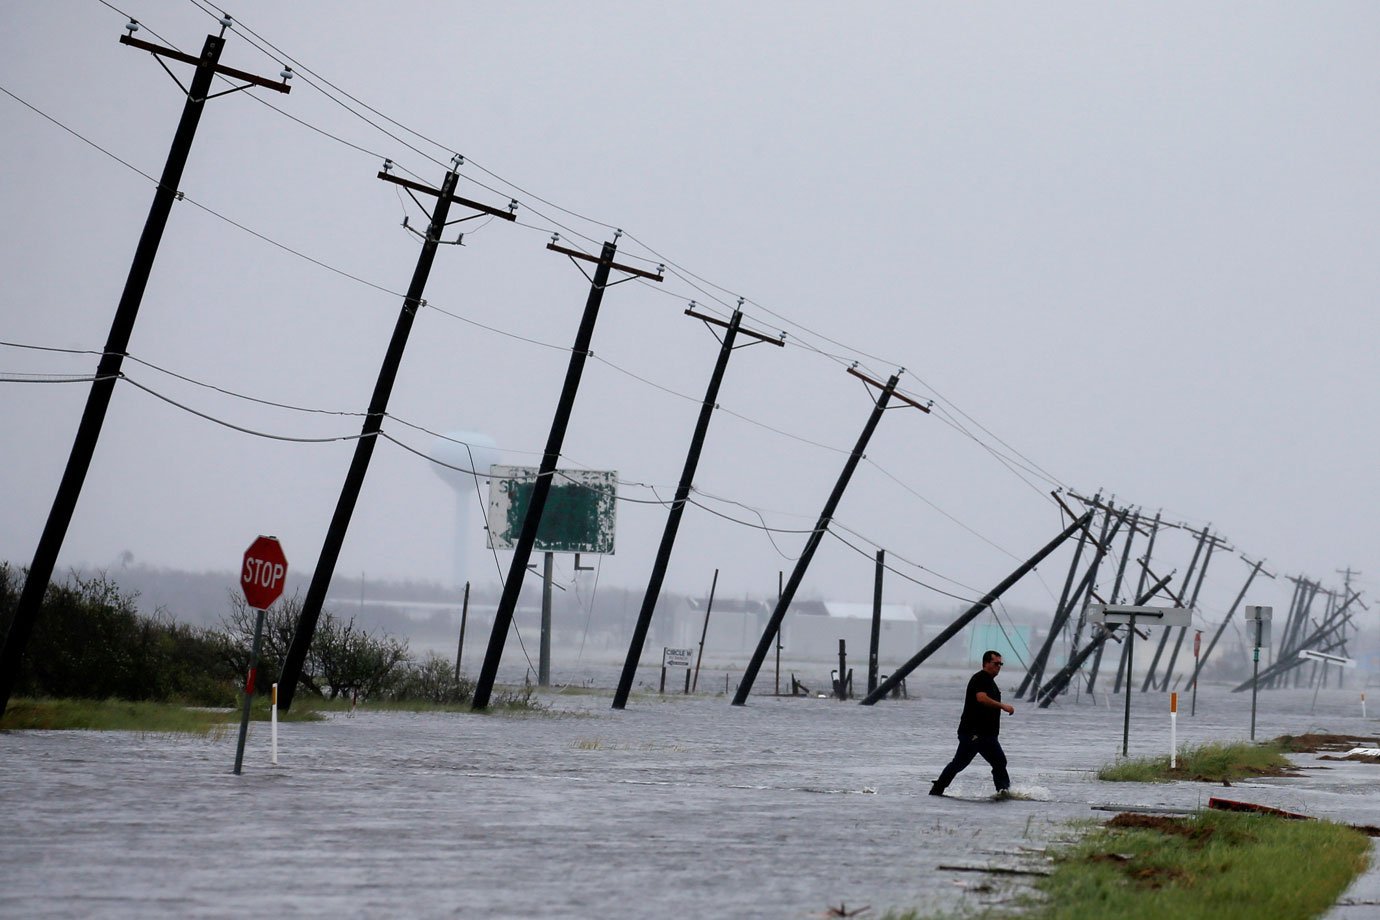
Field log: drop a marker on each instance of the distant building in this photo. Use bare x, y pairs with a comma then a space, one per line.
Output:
812, 631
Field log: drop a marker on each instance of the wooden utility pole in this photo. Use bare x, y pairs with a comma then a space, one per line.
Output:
1144, 563
732, 328
373, 421
1060, 681
1256, 569
541, 488
876, 636
887, 391
40, 572
900, 674
1033, 673
1115, 595
1213, 543
464, 615
1179, 599
1103, 543
704, 630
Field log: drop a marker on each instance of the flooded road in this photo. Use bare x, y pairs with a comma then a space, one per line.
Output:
677, 806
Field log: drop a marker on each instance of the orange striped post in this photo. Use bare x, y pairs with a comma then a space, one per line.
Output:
1173, 731
274, 722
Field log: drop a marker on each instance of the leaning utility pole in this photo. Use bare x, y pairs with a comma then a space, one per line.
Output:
1346, 592
1100, 547
1083, 536
1060, 681
900, 674
1179, 599
207, 65
1313, 640
541, 488
1115, 595
373, 421
1213, 543
821, 527
1256, 569
687, 480
1144, 563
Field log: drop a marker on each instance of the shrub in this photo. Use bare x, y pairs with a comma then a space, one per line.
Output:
432, 680
90, 642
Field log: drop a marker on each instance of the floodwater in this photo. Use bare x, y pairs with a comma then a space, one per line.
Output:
677, 806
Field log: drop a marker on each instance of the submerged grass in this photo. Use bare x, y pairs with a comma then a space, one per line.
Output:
124, 715
1223, 762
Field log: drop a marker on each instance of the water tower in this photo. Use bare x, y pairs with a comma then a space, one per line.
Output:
467, 456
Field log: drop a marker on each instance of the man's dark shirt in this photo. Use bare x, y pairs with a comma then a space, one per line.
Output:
978, 719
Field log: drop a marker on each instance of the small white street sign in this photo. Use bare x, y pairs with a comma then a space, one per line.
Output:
1329, 659
1143, 616
677, 657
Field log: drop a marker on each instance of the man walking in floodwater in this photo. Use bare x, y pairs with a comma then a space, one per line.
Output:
978, 727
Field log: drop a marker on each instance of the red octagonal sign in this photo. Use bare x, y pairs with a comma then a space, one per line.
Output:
263, 573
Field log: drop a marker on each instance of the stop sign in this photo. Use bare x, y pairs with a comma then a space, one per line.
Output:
263, 573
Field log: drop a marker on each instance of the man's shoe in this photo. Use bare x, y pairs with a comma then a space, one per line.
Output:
935, 790
1002, 794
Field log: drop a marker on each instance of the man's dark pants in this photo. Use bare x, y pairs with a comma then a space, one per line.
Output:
970, 746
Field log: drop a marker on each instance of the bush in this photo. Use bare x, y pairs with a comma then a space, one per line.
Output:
90, 642
431, 681
341, 660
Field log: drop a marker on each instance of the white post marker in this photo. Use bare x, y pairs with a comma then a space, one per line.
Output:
1363, 705
1173, 731
274, 722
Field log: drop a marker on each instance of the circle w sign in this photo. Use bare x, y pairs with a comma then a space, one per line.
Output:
263, 573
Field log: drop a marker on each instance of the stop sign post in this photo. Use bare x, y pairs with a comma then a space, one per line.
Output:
262, 574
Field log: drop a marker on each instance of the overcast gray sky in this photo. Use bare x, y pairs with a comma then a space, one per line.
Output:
1122, 246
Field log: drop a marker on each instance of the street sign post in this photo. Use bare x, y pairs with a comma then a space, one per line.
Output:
1117, 614
262, 574
676, 658
1257, 623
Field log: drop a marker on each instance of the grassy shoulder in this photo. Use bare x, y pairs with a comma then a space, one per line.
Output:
1213, 864
125, 715
1219, 865
1225, 762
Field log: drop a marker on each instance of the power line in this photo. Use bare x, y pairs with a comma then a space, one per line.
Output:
211, 418
279, 55
866, 554
322, 264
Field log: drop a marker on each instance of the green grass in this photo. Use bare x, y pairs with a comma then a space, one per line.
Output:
123, 715
498, 704
1217, 865
1212, 763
